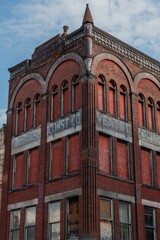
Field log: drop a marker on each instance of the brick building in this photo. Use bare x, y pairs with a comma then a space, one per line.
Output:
2, 149
82, 156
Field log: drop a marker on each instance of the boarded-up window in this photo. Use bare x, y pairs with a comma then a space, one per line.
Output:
158, 116
73, 218
112, 98
76, 93
146, 166
28, 115
73, 154
19, 119
18, 171
56, 159
65, 99
158, 168
101, 93
104, 154
32, 166
123, 103
151, 118
37, 111
141, 110
106, 219
54, 103
122, 159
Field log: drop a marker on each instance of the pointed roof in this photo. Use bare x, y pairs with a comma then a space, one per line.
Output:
87, 16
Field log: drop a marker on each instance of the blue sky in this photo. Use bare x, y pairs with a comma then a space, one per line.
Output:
25, 24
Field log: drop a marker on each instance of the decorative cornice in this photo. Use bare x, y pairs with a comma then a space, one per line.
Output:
127, 51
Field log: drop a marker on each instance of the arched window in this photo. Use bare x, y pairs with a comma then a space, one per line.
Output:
37, 111
64, 98
123, 108
158, 116
76, 97
101, 93
54, 103
19, 119
27, 115
151, 114
112, 98
141, 110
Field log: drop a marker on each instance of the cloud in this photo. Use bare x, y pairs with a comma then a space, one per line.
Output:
2, 117
133, 21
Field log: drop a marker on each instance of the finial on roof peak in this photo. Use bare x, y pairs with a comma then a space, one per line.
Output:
87, 16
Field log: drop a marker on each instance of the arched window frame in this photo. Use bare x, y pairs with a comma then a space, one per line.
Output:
113, 88
141, 100
102, 84
64, 90
123, 92
75, 84
26, 109
18, 111
152, 112
36, 103
158, 117
54, 94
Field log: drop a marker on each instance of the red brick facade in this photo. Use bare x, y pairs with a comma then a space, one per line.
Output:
82, 153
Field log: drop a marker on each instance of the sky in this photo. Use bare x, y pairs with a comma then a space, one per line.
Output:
26, 24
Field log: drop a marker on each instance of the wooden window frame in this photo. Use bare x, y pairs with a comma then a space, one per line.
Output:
36, 102
27, 106
63, 89
12, 230
111, 219
113, 88
75, 82
50, 223
141, 100
123, 92
154, 227
54, 93
18, 110
128, 223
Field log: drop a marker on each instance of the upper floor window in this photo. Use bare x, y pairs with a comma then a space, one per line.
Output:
54, 221
123, 108
19, 119
141, 110
55, 165
27, 115
14, 225
101, 93
147, 166
125, 221
32, 166
64, 98
123, 160
18, 179
105, 154
112, 98
76, 94
54, 103
150, 223
30, 222
158, 116
151, 114
106, 219
73, 154
37, 111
